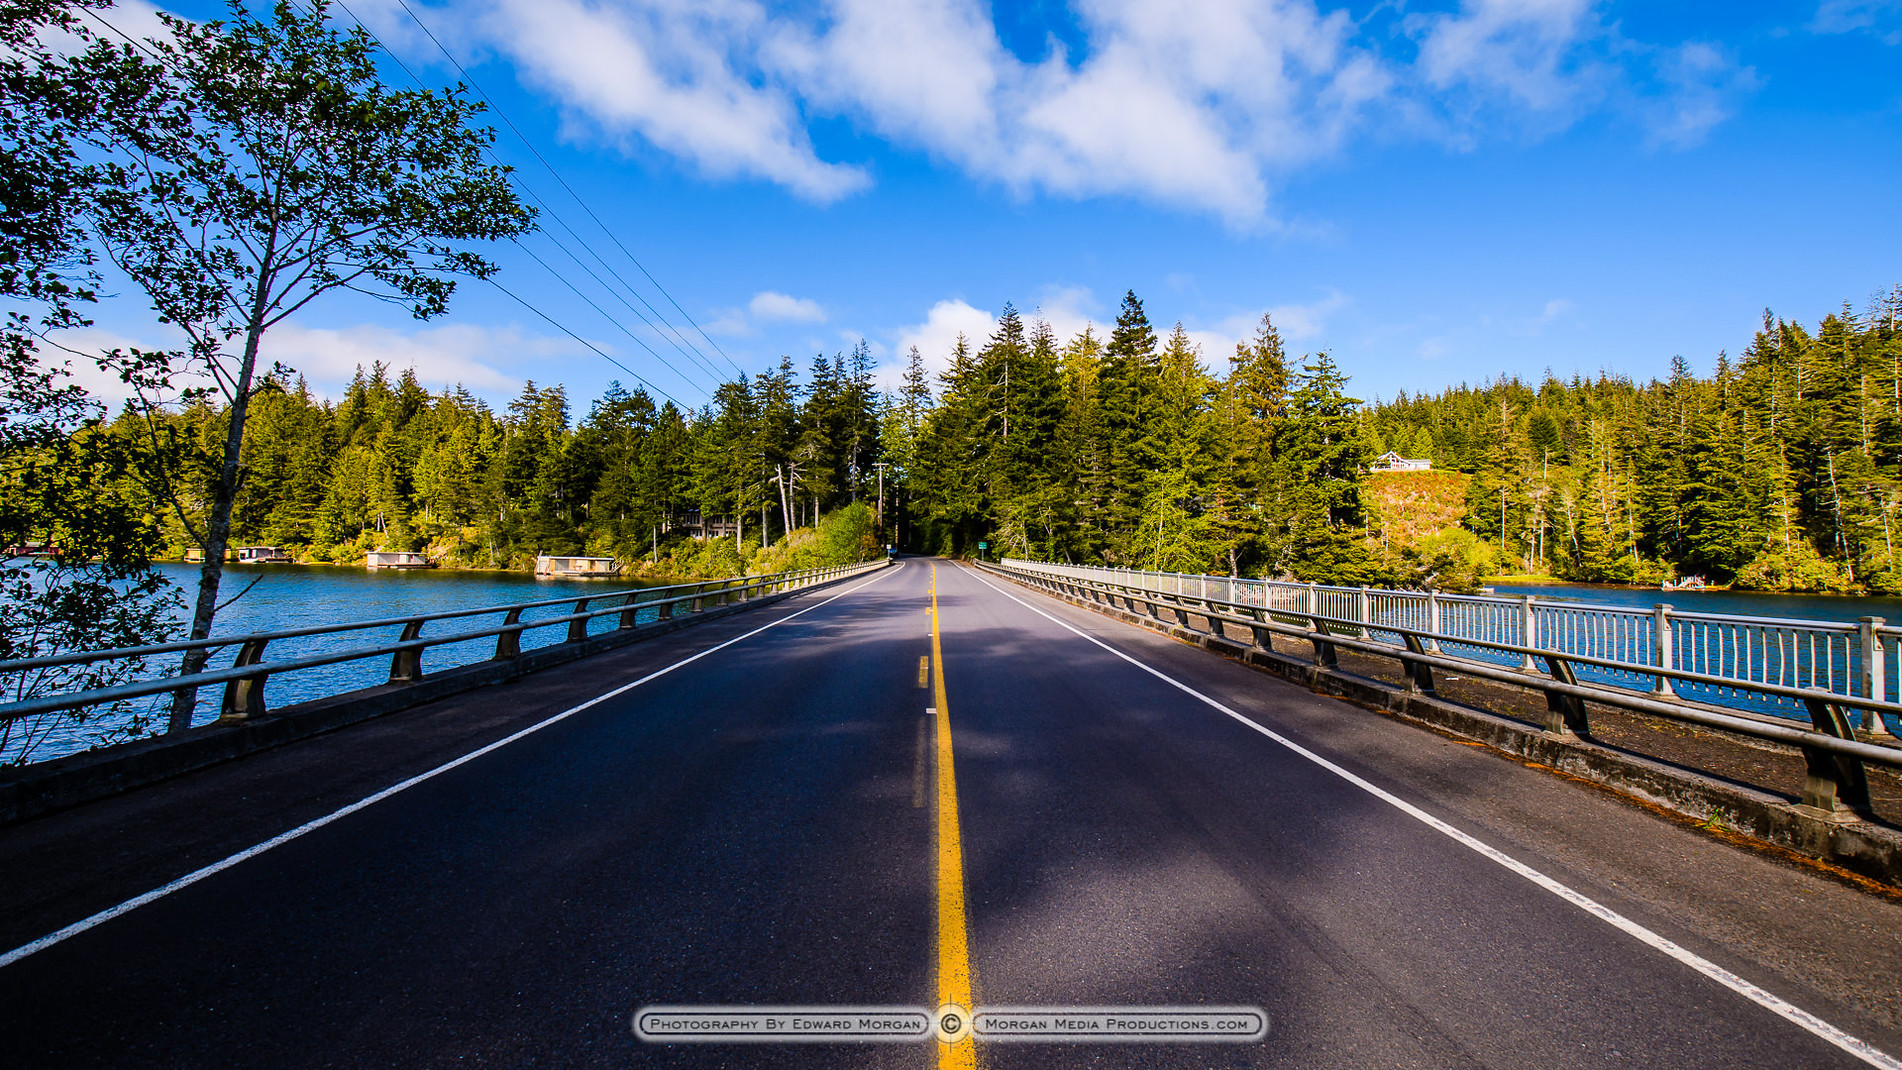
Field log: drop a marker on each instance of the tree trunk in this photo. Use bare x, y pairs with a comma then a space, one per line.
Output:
217, 532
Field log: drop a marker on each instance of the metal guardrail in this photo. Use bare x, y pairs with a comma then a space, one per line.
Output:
244, 680
1754, 663
1836, 783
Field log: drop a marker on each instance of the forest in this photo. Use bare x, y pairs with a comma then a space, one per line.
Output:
1781, 470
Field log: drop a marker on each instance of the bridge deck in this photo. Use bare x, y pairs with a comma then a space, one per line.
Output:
756, 826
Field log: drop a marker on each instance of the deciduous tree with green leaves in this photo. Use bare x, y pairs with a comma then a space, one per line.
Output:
253, 165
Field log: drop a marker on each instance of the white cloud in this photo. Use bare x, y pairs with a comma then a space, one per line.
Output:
491, 361
1846, 16
769, 305
1297, 323
1186, 105
935, 338
730, 322
1703, 85
1525, 48
1067, 309
1204, 106
453, 354
675, 73
135, 19
74, 349
1070, 309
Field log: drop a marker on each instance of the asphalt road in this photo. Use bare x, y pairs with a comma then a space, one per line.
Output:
758, 826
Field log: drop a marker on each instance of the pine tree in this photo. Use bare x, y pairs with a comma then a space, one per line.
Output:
1126, 388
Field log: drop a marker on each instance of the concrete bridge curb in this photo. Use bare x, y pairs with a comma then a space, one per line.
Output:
1861, 847
42, 787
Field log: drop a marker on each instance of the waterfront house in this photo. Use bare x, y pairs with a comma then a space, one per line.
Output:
263, 555
1393, 462
550, 565
377, 559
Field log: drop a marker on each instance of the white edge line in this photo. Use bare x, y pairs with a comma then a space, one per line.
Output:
1855, 1046
223, 864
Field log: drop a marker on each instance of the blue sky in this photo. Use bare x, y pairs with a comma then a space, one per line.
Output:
1435, 193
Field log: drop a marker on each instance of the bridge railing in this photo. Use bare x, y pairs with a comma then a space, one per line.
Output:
245, 678
1573, 653
1742, 662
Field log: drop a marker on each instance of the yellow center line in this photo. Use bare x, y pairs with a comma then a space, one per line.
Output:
924, 671
954, 952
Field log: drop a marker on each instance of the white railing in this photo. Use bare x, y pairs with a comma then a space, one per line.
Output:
1856, 660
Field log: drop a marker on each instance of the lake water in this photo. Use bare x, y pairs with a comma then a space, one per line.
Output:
1843, 608
301, 596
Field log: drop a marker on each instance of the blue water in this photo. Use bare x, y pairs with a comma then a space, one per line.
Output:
299, 596
1842, 608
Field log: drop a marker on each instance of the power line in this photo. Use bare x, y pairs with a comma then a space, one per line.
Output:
699, 359
529, 192
503, 115
590, 302
603, 353
558, 326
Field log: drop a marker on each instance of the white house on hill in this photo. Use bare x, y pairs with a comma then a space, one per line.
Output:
1393, 462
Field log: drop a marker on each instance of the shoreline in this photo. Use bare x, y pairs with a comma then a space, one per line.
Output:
1521, 580
358, 566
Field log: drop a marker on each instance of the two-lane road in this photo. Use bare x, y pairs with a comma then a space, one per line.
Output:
755, 821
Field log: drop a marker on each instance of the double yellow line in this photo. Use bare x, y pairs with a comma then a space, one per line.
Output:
954, 949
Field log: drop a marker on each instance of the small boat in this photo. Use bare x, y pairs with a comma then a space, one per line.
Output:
1688, 583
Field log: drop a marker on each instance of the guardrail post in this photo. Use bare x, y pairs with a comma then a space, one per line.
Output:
1836, 784
578, 629
1433, 619
1324, 653
406, 666
1364, 611
245, 698
628, 612
1418, 673
1528, 632
1874, 685
1263, 637
1564, 713
665, 610
508, 645
1661, 633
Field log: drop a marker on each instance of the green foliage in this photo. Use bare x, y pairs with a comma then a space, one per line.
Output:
1782, 470
846, 537
66, 483
50, 607
1451, 560
1797, 567
239, 170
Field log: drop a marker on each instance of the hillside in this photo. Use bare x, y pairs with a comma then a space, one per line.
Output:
1406, 508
